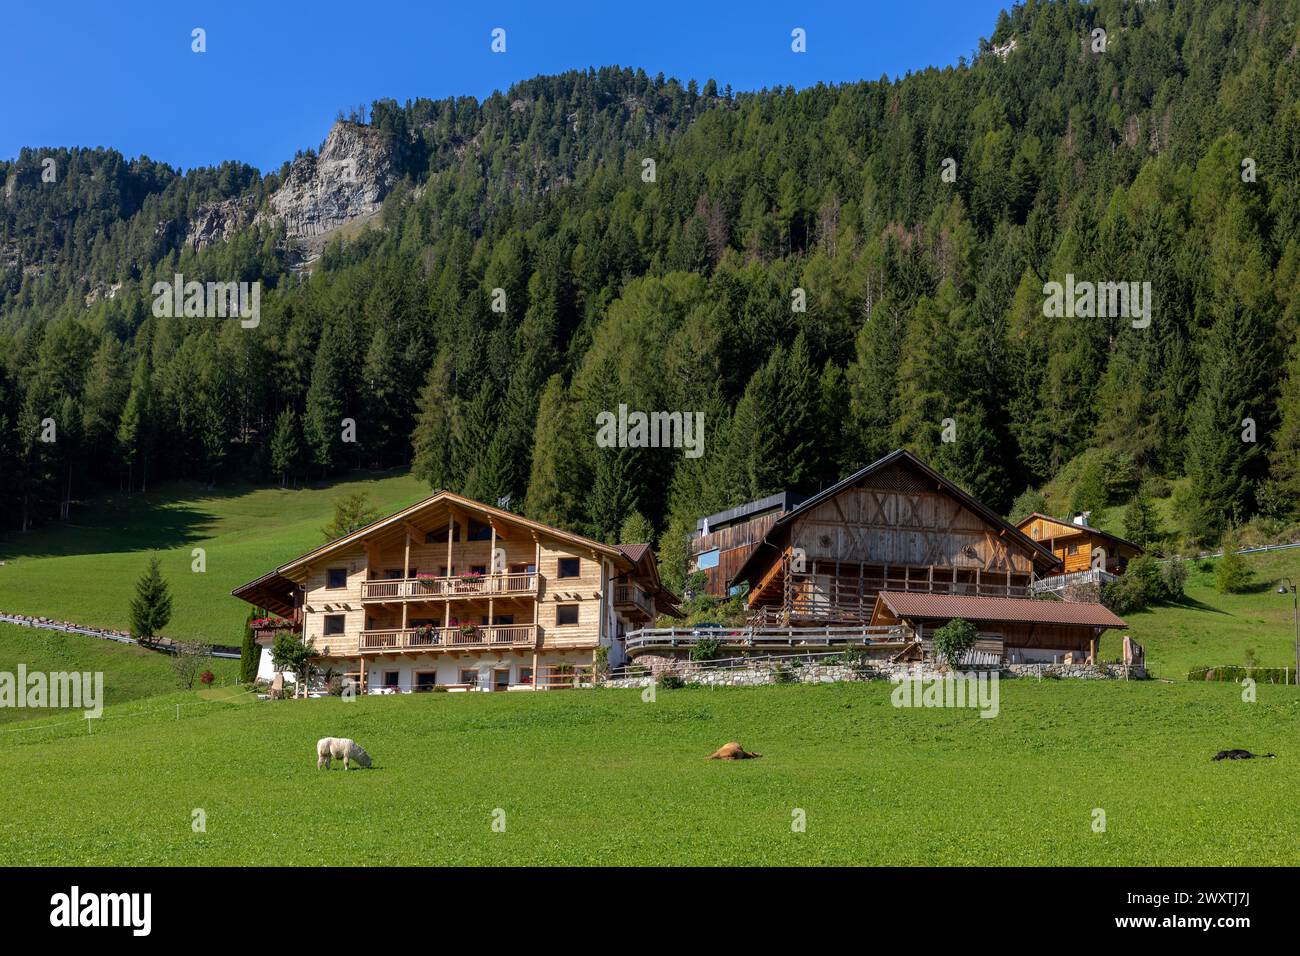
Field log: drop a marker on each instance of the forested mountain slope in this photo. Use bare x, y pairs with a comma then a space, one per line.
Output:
1171, 156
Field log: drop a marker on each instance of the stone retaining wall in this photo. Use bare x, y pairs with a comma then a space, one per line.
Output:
765, 672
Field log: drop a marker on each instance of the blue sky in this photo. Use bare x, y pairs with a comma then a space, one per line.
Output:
275, 74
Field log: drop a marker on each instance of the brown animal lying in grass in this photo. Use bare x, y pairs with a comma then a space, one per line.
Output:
732, 751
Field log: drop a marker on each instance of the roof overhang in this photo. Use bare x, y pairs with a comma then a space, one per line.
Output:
927, 606
273, 591
448, 506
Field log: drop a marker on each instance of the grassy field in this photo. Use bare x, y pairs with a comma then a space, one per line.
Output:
86, 571
1210, 628
130, 673
603, 777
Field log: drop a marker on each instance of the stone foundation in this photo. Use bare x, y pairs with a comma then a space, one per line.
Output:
768, 672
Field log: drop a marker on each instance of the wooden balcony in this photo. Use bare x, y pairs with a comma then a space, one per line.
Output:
629, 597
433, 639
449, 588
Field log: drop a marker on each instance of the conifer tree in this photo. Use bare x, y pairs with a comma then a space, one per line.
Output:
286, 446
151, 608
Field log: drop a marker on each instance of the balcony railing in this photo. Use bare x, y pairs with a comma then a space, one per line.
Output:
629, 595
669, 638
460, 586
448, 638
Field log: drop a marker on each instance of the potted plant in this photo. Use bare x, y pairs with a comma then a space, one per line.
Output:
469, 631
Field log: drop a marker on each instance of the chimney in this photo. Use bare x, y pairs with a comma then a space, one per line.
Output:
1081, 518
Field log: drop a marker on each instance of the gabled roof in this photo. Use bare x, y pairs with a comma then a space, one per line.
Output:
914, 605
278, 580
642, 558
1078, 529
942, 483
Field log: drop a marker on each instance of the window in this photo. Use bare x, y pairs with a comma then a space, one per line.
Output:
569, 568
333, 624
468, 675
709, 559
393, 574
425, 680
504, 619
439, 535
525, 675
1072, 549
443, 572
478, 569
336, 578
479, 532
391, 678
566, 614
501, 678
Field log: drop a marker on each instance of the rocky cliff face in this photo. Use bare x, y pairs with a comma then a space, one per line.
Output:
344, 183
217, 222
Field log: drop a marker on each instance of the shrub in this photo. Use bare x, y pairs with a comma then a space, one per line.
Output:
1123, 595
206, 678
670, 681
250, 653
1145, 582
601, 665
1231, 575
1261, 675
954, 639
1173, 574
187, 658
706, 649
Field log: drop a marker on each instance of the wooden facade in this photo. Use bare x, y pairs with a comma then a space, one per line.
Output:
1079, 545
722, 542
894, 525
451, 591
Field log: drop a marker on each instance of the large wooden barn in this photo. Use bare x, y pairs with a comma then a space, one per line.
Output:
858, 552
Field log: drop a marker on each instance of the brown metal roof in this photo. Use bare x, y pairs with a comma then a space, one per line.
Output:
920, 604
634, 552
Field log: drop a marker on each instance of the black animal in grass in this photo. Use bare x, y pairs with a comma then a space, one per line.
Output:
1239, 755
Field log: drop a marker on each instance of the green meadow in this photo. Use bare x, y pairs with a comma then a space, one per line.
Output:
603, 777
1208, 628
85, 571
130, 673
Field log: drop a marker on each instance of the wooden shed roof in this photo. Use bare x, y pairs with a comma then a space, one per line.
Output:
921, 605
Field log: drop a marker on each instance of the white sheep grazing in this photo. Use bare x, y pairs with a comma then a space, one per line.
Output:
340, 748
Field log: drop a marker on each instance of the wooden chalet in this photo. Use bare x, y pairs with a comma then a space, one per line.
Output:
1078, 545
452, 591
